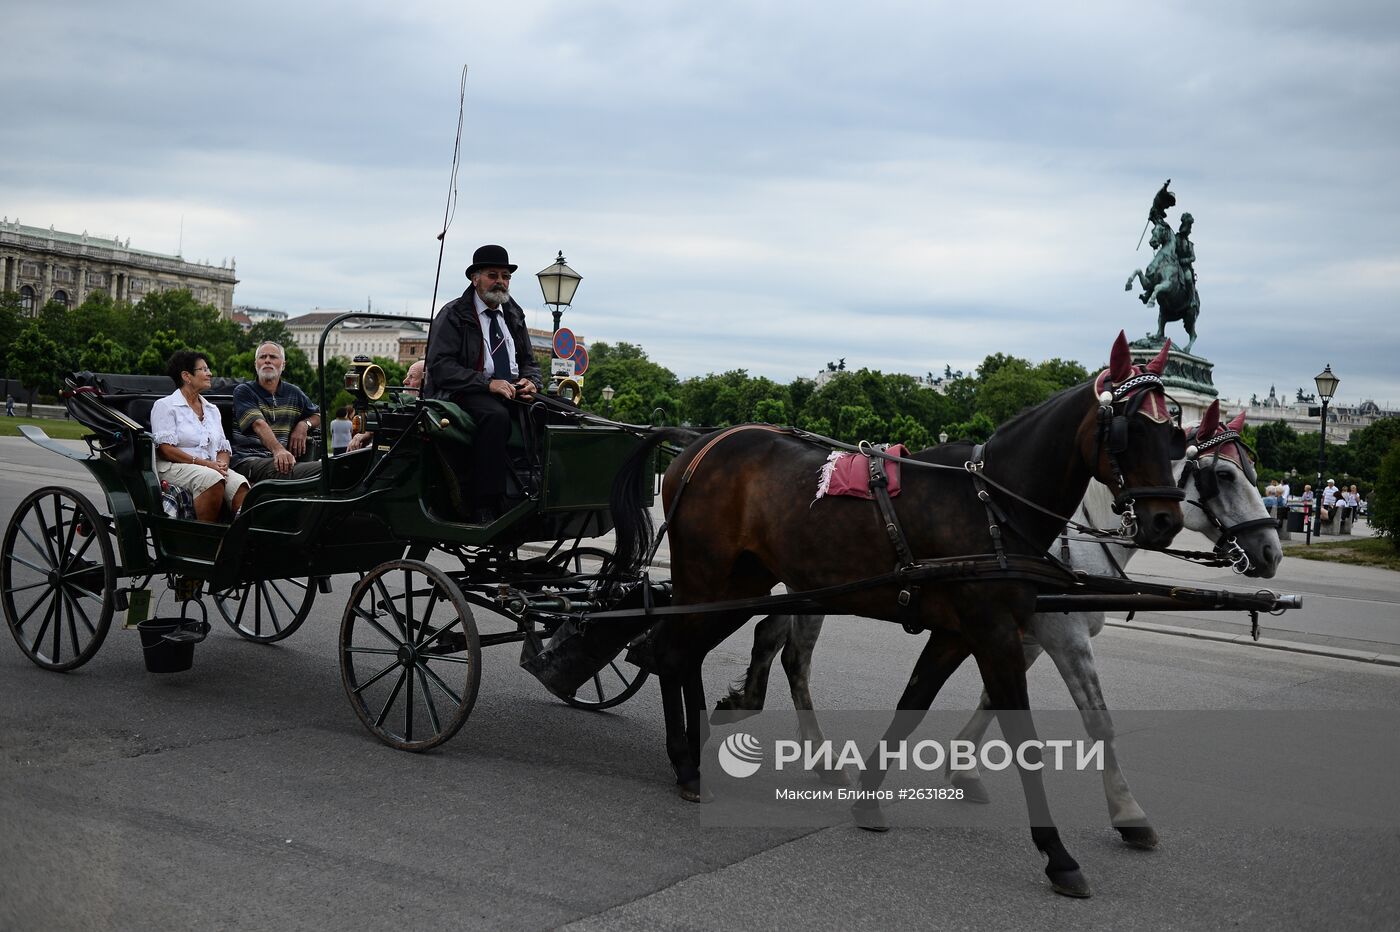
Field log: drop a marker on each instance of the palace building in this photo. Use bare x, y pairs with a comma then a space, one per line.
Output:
44, 265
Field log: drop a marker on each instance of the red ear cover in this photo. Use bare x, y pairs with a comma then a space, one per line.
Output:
1159, 365
1120, 361
1210, 422
1238, 422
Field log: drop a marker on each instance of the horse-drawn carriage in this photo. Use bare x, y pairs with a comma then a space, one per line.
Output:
962, 555
389, 514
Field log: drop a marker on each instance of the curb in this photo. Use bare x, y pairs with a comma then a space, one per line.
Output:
1296, 647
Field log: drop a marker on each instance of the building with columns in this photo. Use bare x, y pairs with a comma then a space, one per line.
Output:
43, 265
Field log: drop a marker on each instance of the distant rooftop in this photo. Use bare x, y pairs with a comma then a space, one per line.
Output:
92, 239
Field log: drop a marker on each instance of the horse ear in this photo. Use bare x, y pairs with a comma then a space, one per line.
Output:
1210, 422
1238, 421
1120, 361
1159, 365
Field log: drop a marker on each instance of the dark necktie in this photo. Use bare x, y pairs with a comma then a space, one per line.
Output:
500, 345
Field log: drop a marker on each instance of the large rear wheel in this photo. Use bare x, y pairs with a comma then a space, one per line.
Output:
410, 655
267, 610
58, 578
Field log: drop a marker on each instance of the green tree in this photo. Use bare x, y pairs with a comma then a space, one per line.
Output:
1383, 504
11, 324
978, 429
103, 354
155, 357
32, 362
1010, 389
1369, 446
626, 368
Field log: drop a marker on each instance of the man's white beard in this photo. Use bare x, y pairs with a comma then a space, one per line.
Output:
496, 296
267, 372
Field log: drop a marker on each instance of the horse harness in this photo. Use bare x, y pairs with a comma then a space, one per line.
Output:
1208, 486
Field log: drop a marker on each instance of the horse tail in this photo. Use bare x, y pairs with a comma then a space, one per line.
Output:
631, 517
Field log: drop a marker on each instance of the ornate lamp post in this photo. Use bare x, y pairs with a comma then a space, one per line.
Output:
608, 393
1326, 388
558, 282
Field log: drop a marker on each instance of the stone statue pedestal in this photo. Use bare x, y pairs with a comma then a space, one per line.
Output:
1187, 377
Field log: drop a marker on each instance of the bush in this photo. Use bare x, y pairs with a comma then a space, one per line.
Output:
1383, 507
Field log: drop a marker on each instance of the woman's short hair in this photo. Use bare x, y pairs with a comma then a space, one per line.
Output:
184, 361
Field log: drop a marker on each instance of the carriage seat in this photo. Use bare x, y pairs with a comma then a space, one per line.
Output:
134, 395
450, 430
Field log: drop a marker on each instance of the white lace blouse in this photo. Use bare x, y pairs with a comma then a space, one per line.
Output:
173, 421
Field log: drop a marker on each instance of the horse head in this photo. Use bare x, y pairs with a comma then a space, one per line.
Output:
1130, 442
1223, 498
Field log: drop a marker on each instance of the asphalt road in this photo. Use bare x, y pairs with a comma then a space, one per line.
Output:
245, 794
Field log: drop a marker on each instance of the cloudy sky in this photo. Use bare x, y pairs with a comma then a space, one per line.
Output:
756, 185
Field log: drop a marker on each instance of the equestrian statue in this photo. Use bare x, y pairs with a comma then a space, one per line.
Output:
1170, 279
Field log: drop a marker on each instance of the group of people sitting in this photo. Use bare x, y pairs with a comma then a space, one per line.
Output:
478, 357
1332, 497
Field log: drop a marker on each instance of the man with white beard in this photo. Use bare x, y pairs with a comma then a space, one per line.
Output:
479, 358
271, 419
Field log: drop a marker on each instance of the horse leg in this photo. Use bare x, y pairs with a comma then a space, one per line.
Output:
1073, 655
970, 780
697, 732
797, 664
943, 654
747, 696
1003, 673
686, 767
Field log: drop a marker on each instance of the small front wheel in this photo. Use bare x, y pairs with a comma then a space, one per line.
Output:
410, 655
58, 578
269, 609
610, 686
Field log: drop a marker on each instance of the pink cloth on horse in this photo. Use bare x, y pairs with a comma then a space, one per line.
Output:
849, 474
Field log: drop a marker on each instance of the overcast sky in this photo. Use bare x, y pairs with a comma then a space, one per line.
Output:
753, 185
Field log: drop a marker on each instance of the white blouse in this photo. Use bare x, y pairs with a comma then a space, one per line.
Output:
173, 421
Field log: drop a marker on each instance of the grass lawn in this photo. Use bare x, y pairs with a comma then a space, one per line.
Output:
1363, 551
58, 428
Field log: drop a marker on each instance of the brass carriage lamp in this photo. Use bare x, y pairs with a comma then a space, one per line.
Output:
367, 382
558, 282
1326, 387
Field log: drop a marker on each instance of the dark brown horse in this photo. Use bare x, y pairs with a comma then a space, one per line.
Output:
745, 521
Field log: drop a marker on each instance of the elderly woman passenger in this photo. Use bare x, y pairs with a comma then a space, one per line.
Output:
192, 450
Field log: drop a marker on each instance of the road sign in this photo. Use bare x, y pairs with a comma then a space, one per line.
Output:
561, 367
564, 343
580, 355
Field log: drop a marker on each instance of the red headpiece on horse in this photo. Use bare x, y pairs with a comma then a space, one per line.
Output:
1122, 379
1211, 436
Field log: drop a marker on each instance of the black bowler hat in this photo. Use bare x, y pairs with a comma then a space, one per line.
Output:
490, 257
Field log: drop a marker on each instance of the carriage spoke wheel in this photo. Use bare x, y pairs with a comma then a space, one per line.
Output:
58, 578
610, 686
617, 682
410, 656
267, 610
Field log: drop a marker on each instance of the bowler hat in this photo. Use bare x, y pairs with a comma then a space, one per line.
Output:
490, 256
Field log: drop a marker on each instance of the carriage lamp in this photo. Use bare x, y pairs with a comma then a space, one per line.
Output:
558, 282
365, 380
1326, 387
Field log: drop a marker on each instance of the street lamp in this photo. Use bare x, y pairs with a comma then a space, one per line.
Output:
608, 393
1326, 388
558, 282
942, 436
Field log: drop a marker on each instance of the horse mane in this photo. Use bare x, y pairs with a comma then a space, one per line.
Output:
1098, 505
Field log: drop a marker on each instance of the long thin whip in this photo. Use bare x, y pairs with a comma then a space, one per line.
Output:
451, 209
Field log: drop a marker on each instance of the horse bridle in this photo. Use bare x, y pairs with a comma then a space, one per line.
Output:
1113, 440
1208, 487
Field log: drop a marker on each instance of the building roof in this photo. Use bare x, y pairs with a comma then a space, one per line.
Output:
91, 239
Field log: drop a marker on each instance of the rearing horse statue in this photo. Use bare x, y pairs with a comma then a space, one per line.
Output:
1168, 285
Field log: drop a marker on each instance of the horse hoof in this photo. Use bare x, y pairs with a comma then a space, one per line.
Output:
695, 792
1138, 836
972, 789
1069, 883
870, 817
833, 777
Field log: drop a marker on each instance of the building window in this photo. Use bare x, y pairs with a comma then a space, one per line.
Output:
63, 274
98, 279
62, 298
26, 300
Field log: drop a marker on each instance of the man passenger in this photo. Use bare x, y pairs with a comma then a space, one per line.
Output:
271, 421
479, 358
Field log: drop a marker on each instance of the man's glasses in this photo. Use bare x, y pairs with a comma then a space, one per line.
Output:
497, 276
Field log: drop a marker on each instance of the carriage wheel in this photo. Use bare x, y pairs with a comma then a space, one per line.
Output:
610, 686
614, 684
57, 588
410, 656
267, 610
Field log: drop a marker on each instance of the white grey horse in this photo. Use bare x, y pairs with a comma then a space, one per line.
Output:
1222, 502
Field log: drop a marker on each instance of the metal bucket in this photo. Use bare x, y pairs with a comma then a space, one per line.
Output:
168, 643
